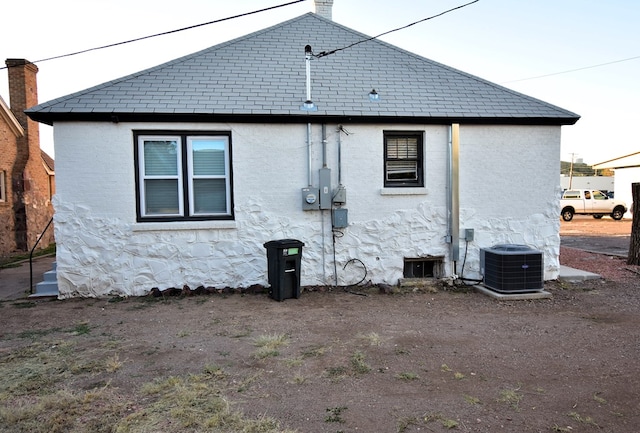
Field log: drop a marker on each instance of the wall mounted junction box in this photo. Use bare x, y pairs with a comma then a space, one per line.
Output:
339, 218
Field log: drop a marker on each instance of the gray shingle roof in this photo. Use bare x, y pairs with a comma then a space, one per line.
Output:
262, 76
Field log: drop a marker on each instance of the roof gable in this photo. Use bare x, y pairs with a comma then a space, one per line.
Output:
10, 119
262, 75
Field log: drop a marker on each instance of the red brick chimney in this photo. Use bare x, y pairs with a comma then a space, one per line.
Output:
23, 94
23, 87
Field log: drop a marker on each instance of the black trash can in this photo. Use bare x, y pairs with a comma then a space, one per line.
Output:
283, 261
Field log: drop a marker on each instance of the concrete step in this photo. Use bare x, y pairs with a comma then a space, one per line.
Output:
50, 276
48, 287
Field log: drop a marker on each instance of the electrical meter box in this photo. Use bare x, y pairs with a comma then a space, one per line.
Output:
310, 200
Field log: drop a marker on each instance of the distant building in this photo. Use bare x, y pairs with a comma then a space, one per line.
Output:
627, 169
26, 173
602, 183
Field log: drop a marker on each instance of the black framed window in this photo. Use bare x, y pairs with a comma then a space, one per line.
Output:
403, 159
183, 176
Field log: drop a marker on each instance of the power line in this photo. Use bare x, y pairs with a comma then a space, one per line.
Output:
328, 53
573, 70
166, 33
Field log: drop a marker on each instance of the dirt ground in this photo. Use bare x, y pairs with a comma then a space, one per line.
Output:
361, 361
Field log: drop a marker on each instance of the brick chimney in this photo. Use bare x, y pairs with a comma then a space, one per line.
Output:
23, 94
323, 8
23, 88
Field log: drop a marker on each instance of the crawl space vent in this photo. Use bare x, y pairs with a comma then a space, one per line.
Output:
511, 268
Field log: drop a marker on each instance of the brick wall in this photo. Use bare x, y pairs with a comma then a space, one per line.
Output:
8, 153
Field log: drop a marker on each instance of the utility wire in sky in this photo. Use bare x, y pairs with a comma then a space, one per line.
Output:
167, 32
328, 53
573, 70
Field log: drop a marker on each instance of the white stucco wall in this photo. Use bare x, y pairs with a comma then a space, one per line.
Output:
509, 192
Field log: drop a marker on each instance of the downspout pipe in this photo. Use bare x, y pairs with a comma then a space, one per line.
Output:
309, 156
453, 198
339, 155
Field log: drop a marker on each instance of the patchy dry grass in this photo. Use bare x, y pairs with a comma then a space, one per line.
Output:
269, 345
511, 397
34, 397
359, 364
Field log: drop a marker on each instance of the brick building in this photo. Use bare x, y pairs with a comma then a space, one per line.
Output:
26, 172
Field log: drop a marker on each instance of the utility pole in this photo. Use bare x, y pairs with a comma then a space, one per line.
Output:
571, 171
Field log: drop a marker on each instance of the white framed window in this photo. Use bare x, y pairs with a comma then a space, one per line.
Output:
183, 176
3, 189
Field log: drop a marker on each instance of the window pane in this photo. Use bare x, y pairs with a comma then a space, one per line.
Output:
161, 158
210, 196
161, 196
208, 157
402, 170
3, 191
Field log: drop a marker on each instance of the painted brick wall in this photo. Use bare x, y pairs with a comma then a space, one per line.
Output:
508, 190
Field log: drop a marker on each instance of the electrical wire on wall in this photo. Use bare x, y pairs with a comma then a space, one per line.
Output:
462, 278
337, 233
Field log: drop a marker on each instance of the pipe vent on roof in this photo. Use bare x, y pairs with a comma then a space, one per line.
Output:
323, 8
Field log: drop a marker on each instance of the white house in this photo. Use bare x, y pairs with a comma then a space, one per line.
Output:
627, 171
379, 160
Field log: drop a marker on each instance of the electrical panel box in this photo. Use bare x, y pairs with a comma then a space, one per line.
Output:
468, 235
325, 188
310, 199
339, 218
340, 196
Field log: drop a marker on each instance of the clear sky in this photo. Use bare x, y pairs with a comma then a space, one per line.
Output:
507, 42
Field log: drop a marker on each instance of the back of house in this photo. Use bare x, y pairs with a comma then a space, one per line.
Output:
384, 164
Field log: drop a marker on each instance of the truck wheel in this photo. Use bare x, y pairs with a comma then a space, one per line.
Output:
598, 216
567, 214
617, 213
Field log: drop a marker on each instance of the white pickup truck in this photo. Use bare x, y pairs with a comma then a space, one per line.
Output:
590, 202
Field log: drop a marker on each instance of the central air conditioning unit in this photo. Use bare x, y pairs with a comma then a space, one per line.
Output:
511, 268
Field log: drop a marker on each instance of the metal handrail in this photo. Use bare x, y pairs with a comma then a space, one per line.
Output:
31, 256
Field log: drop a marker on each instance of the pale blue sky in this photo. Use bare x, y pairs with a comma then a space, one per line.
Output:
499, 40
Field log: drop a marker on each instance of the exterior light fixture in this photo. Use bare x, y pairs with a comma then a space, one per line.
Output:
374, 96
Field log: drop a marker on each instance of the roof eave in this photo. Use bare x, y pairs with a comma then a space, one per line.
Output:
50, 118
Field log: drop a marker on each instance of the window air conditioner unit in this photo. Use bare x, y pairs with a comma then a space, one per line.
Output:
511, 268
